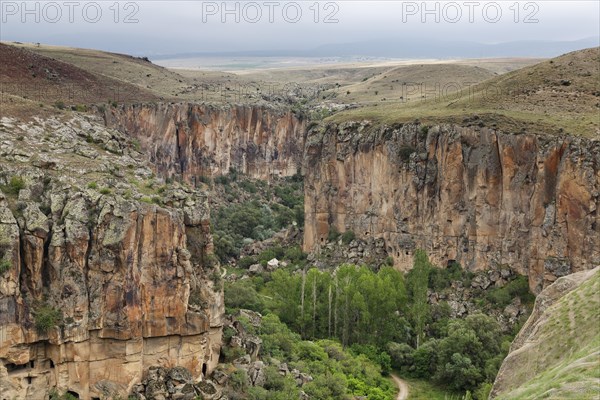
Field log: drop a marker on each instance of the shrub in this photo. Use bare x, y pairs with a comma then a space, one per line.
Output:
14, 186
4, 266
92, 185
246, 262
222, 180
248, 186
295, 254
348, 236
60, 105
46, 318
401, 355
518, 287
137, 146
333, 235
105, 191
405, 152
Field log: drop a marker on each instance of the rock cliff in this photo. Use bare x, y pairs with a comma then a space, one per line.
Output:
195, 141
463, 193
104, 269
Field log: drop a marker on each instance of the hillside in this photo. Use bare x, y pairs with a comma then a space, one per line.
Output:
556, 355
411, 82
29, 76
561, 95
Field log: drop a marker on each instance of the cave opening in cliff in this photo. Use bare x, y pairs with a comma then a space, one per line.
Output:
204, 369
74, 394
11, 367
29, 379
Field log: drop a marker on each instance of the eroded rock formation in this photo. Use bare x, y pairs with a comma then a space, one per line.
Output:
97, 282
196, 141
466, 194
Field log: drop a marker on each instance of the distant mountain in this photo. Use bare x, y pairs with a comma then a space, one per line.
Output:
411, 48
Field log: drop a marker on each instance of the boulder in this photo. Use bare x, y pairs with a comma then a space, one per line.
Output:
272, 264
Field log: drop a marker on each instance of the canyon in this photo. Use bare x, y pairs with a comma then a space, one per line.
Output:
107, 266
131, 272
468, 194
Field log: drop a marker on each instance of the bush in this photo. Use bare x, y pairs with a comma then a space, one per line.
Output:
105, 191
242, 295
46, 318
14, 186
348, 236
222, 180
401, 355
246, 262
333, 235
405, 152
518, 287
248, 186
5, 265
92, 185
295, 255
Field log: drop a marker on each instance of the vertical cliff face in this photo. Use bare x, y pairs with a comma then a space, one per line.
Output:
97, 285
470, 195
194, 141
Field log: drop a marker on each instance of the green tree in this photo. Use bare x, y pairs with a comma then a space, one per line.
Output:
417, 281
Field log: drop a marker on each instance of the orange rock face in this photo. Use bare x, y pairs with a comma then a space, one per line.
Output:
469, 195
97, 282
122, 282
197, 141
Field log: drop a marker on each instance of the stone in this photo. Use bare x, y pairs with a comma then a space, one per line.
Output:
256, 373
220, 376
272, 264
255, 269
557, 266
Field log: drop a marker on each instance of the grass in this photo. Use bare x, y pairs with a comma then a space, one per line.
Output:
563, 362
533, 99
423, 390
14, 186
46, 318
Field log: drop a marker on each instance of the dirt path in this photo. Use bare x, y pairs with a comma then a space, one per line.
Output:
403, 393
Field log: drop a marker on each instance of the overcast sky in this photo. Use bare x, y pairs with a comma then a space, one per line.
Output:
171, 27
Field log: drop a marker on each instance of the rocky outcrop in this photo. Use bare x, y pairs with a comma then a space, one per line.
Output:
555, 355
97, 283
466, 194
200, 141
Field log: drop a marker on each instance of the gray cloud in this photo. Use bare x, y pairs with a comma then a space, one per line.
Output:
171, 27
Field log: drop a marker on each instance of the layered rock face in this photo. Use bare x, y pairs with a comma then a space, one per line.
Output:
465, 194
195, 141
96, 281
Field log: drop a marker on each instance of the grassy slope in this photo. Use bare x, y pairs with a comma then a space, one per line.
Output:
132, 70
423, 390
391, 84
561, 358
555, 96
